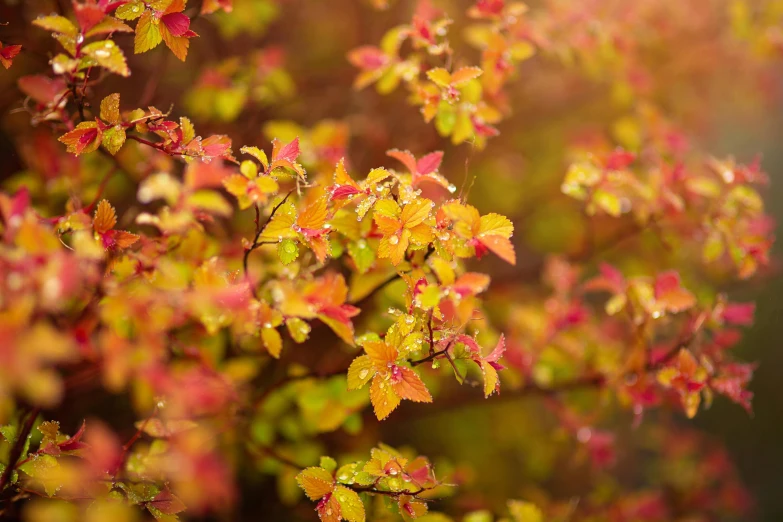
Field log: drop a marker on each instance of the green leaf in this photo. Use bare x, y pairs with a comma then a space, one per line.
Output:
362, 255
287, 251
328, 463
113, 139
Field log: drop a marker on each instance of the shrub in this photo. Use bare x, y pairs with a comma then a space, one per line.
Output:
193, 329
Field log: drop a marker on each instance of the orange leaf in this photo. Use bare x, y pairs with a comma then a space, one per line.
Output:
501, 247
105, 217
409, 386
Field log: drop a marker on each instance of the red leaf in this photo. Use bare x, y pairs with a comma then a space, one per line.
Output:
216, 146
368, 58
619, 159
8, 53
88, 15
404, 157
429, 163
289, 152
739, 313
41, 88
177, 23
74, 443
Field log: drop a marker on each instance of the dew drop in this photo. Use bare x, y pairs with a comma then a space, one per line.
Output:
394, 240
363, 374
410, 319
452, 188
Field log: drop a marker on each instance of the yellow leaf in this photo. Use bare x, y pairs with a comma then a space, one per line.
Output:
360, 372
351, 505
496, 225
465, 74
272, 341
316, 482
439, 76
383, 398
110, 109
416, 212
148, 34
314, 216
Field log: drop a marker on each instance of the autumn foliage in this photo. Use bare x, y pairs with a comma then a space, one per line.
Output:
225, 306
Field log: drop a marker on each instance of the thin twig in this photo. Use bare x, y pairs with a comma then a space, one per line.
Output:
18, 447
260, 230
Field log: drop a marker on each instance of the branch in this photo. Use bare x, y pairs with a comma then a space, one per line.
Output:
18, 447
260, 230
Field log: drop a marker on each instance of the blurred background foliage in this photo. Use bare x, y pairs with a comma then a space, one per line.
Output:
278, 68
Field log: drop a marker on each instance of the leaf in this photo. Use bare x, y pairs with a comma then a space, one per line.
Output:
272, 341
178, 45
130, 11
57, 24
110, 109
465, 74
109, 25
501, 247
298, 329
113, 139
383, 397
360, 372
148, 35
105, 217
313, 217
409, 385
107, 55
351, 506
8, 53
439, 76
363, 256
670, 294
177, 23
167, 503
287, 251
495, 225
316, 482
258, 154
85, 138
